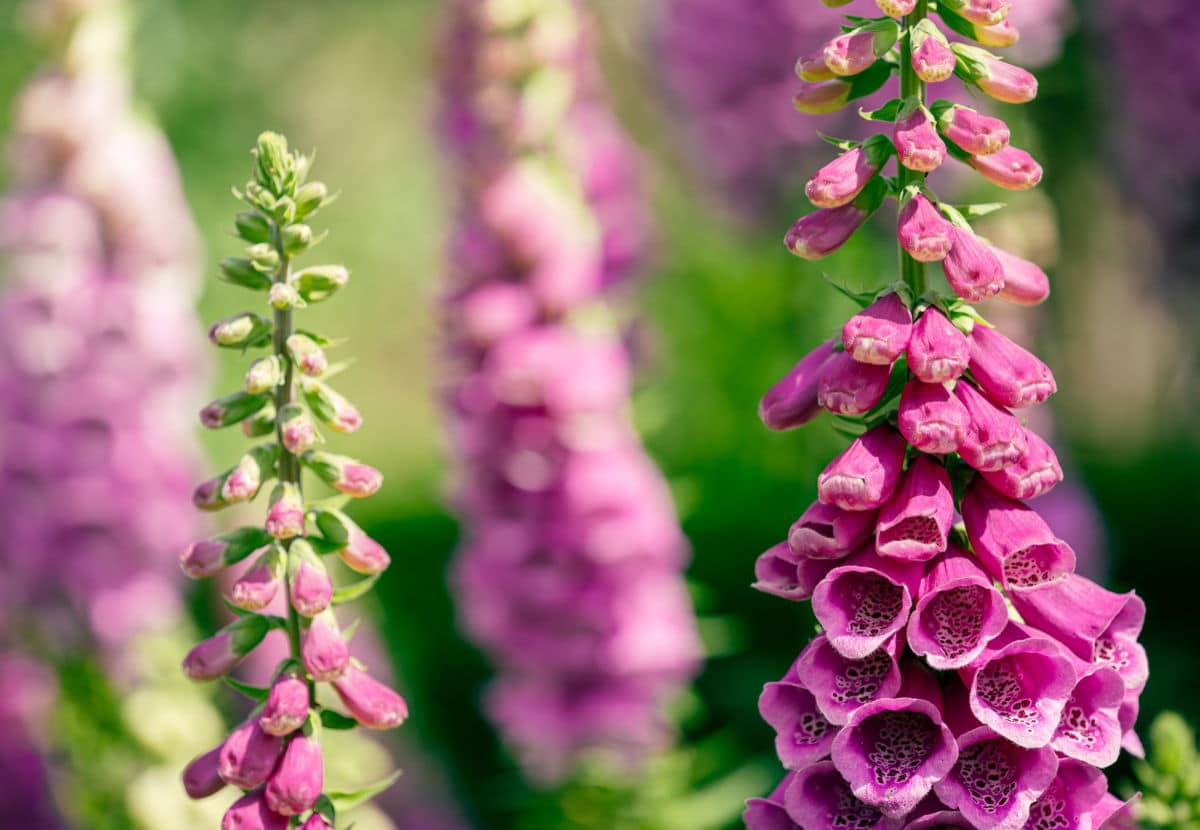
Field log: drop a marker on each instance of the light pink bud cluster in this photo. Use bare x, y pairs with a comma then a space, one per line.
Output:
298, 550
570, 573
1040, 669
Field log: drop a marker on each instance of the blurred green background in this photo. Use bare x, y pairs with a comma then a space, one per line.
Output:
727, 310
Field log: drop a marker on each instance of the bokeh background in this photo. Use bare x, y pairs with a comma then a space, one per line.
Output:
724, 312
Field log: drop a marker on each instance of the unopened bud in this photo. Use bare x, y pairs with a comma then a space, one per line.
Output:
359, 551
241, 271
264, 256
262, 376
371, 703
320, 282
211, 556
344, 474
297, 430
242, 483
310, 197
283, 296
216, 656
323, 649
286, 516
297, 238
240, 331
309, 587
232, 409
261, 423
331, 407
259, 585
253, 227
287, 704
276, 167
308, 356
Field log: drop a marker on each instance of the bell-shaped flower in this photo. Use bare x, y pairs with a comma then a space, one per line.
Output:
1024, 282
802, 734
819, 798
922, 230
865, 475
1008, 374
792, 402
938, 351
825, 531
370, 702
840, 684
847, 387
286, 707
248, 755
298, 780
918, 145
973, 271
840, 181
1013, 542
995, 782
958, 612
1035, 474
914, 524
931, 418
994, 438
865, 601
973, 132
879, 333
1010, 168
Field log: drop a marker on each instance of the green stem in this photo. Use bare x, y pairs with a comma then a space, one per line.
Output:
911, 86
289, 464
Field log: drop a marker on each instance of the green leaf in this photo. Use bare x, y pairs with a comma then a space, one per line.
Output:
252, 692
860, 298
351, 592
349, 800
320, 339
336, 720
887, 112
872, 80
326, 810
842, 144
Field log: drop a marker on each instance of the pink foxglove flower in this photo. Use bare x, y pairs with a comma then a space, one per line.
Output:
839, 182
1040, 669
569, 573
918, 145
275, 754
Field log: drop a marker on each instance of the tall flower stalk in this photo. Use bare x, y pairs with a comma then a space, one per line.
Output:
569, 574
275, 754
965, 676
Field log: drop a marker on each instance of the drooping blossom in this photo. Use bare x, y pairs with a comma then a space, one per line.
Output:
569, 575
1039, 668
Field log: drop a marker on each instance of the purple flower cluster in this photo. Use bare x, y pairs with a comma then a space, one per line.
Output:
98, 250
569, 573
275, 754
965, 675
728, 68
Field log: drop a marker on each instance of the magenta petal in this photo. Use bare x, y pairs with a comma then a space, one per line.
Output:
803, 736
973, 271
893, 751
1076, 611
840, 685
1020, 688
940, 820
1007, 373
915, 523
879, 333
824, 531
1090, 730
937, 350
1024, 282
769, 813
820, 799
864, 476
1076, 789
923, 232
1118, 648
958, 613
248, 755
792, 402
1111, 813
995, 781
863, 603
848, 387
994, 438
1035, 474
780, 572
1013, 542
931, 418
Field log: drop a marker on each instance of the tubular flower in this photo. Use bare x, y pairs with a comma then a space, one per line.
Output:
276, 753
1040, 668
569, 574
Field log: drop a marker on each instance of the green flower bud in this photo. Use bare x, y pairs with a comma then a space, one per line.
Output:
284, 296
252, 226
297, 238
264, 256
331, 407
264, 375
320, 282
261, 423
240, 331
310, 198
307, 355
233, 409
241, 271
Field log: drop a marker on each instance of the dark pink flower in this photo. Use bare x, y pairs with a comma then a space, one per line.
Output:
848, 387
864, 476
879, 333
792, 402
937, 351
914, 524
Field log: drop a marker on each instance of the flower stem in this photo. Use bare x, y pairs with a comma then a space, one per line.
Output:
289, 464
911, 86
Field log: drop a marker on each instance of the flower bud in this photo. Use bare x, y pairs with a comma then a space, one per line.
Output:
264, 256
207, 495
839, 182
310, 197
287, 704
309, 587
210, 557
261, 423
299, 779
822, 232
932, 58
216, 656
896, 8
857, 51
1024, 282
283, 296
1000, 36
923, 232
977, 134
1002, 81
848, 387
201, 777
320, 282
371, 703
1009, 168
242, 483
1036, 473
285, 519
930, 418
316, 822
879, 333
812, 67
252, 227
231, 409
1008, 374
241, 271
993, 439
792, 402
331, 407
918, 145
827, 532
259, 585
359, 551
344, 474
980, 12
323, 650
821, 97
864, 476
263, 376
248, 755
296, 428
937, 350
240, 331
971, 268
307, 355
250, 812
